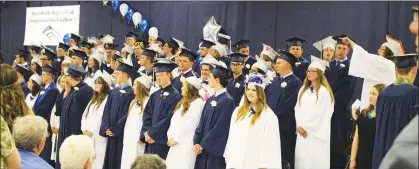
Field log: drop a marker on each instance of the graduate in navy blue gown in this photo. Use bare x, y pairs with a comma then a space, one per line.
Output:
44, 104
295, 47
73, 106
341, 83
159, 110
110, 49
61, 54
396, 106
139, 47
186, 60
281, 96
23, 75
115, 115
146, 61
242, 46
203, 51
212, 132
236, 84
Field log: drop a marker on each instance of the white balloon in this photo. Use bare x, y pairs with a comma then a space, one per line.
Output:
136, 18
153, 31
105, 3
123, 8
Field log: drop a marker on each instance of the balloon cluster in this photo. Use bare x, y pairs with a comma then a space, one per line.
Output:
130, 14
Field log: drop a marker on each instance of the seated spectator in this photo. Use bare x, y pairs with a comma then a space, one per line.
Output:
148, 161
10, 157
30, 133
77, 152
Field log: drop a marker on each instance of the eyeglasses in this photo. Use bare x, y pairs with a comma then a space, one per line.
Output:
311, 71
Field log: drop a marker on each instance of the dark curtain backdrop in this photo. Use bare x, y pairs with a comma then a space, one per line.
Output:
261, 22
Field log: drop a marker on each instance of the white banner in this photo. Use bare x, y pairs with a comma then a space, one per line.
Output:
48, 25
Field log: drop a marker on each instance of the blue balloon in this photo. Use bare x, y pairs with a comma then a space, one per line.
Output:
66, 38
130, 12
115, 5
144, 25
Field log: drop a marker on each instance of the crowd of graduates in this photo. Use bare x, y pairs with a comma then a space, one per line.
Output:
216, 108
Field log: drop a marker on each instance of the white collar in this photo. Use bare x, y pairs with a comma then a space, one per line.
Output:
171, 57
289, 74
220, 92
186, 71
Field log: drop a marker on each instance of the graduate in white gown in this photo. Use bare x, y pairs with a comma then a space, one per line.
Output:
34, 85
132, 148
92, 116
254, 141
313, 113
183, 124
374, 68
93, 65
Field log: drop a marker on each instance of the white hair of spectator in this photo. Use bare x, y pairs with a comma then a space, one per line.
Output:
75, 151
29, 130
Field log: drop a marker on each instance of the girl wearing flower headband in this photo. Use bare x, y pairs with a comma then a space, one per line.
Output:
313, 113
254, 140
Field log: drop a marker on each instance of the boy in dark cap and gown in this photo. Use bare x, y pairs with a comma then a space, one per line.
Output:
212, 132
77, 57
186, 60
242, 46
341, 84
397, 105
159, 110
203, 51
236, 85
86, 47
139, 47
224, 39
75, 40
281, 97
146, 60
23, 75
295, 47
73, 106
61, 56
110, 52
115, 115
170, 49
22, 58
35, 51
44, 104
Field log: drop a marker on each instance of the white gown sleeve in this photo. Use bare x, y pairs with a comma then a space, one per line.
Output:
323, 111
191, 121
297, 110
95, 127
173, 125
84, 121
372, 67
270, 150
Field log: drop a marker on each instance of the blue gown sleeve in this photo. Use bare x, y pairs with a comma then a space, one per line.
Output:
158, 132
118, 128
147, 121
59, 103
47, 104
105, 117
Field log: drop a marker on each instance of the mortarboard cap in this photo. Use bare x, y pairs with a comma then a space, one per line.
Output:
179, 43
290, 58
209, 60
116, 56
125, 66
79, 54
220, 71
76, 71
173, 44
131, 35
37, 61
107, 39
338, 40
194, 81
100, 36
36, 78
51, 55
75, 37
223, 37
164, 65
63, 46
269, 51
295, 41
237, 57
406, 60
98, 57
156, 48
109, 46
327, 42
49, 69
394, 45
145, 80
128, 49
206, 43
323, 63
23, 53
161, 41
36, 48
262, 65
318, 65
241, 44
150, 53
87, 45
24, 71
141, 43
109, 79
187, 53
220, 49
